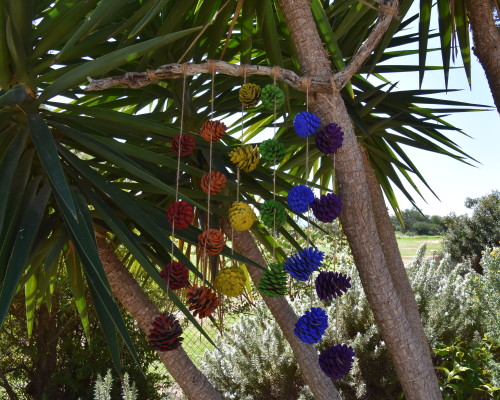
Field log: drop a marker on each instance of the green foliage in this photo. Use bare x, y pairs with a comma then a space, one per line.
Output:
103, 387
454, 303
57, 362
468, 370
467, 236
254, 361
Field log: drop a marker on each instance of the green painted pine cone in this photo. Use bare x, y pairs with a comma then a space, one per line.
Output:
267, 213
250, 94
272, 151
270, 95
273, 281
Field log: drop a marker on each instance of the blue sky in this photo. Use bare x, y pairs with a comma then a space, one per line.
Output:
451, 180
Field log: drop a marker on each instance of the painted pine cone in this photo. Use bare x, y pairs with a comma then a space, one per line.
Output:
336, 361
181, 213
273, 214
329, 139
302, 264
231, 281
245, 157
273, 281
241, 216
165, 333
211, 241
272, 150
212, 130
330, 285
214, 180
270, 95
249, 94
327, 207
175, 275
312, 325
201, 300
299, 198
306, 124
183, 144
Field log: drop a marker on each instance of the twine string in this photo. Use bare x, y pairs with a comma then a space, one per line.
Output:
210, 153
307, 82
178, 173
244, 67
275, 167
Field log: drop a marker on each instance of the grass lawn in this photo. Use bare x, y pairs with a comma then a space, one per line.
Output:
408, 245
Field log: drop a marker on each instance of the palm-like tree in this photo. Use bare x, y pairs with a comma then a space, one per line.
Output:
74, 163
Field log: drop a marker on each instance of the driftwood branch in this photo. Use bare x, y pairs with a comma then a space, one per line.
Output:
172, 71
312, 84
388, 12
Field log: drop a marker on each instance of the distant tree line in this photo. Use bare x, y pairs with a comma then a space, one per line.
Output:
416, 223
465, 237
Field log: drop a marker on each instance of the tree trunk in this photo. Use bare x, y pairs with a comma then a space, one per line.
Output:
486, 37
136, 302
307, 357
411, 361
45, 361
394, 261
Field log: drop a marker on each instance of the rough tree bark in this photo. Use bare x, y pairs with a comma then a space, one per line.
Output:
411, 360
394, 260
136, 302
486, 38
307, 356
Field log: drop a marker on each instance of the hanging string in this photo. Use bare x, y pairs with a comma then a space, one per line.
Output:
307, 83
212, 100
334, 92
275, 167
244, 67
181, 128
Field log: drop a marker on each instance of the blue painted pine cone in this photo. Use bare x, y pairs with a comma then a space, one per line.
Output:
306, 124
312, 325
303, 263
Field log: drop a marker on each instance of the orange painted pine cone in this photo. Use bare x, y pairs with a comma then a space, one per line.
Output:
211, 241
216, 181
201, 300
212, 130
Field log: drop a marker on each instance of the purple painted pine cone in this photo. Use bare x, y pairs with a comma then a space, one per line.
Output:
327, 207
330, 285
305, 124
329, 139
336, 361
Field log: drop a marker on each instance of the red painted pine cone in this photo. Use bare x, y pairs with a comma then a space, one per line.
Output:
175, 275
181, 213
216, 181
183, 144
212, 130
211, 241
201, 300
165, 333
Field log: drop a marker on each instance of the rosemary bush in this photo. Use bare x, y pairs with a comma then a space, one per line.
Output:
456, 303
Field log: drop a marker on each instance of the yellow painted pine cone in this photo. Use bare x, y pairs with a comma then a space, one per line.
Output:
231, 281
245, 157
249, 94
241, 216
